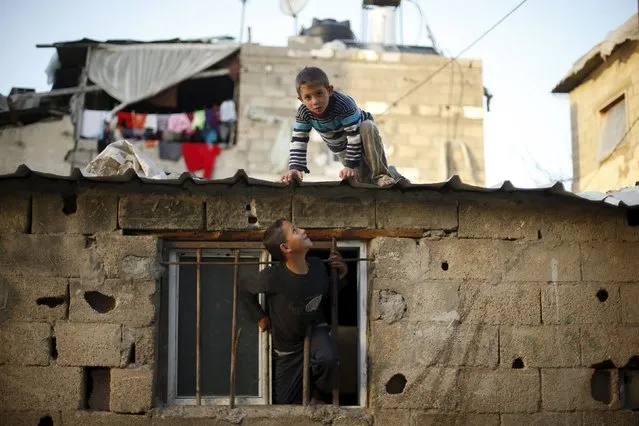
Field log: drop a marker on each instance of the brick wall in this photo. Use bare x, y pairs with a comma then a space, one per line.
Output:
617, 76
447, 108
507, 309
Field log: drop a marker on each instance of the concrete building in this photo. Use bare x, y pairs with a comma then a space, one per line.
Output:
475, 306
604, 110
435, 131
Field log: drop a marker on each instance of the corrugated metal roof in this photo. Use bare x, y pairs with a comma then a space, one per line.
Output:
626, 198
596, 56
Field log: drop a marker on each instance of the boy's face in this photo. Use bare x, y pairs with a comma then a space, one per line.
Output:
296, 240
315, 97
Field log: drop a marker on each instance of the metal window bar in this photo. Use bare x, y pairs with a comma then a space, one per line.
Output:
235, 333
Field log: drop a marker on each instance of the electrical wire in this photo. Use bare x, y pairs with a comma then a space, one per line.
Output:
467, 48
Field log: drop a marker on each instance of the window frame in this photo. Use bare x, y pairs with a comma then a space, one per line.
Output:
610, 103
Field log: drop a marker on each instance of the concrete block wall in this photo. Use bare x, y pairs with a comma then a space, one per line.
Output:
616, 77
447, 108
505, 310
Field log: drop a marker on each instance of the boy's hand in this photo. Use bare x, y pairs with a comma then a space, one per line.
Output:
291, 175
347, 173
338, 263
264, 323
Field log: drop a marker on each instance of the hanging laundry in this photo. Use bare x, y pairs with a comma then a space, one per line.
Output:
199, 119
227, 111
150, 143
125, 120
92, 123
179, 123
209, 136
163, 122
212, 116
171, 151
199, 156
138, 120
151, 122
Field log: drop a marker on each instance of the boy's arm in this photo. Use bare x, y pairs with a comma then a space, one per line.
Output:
299, 143
250, 288
351, 119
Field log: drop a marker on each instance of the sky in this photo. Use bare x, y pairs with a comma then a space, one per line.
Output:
526, 132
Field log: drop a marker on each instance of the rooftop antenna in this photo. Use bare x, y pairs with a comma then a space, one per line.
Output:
292, 8
242, 21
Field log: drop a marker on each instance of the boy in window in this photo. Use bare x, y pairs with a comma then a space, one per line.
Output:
295, 289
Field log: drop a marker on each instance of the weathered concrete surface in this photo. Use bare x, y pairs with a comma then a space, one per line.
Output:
426, 345
618, 263
396, 259
128, 257
283, 421
498, 219
422, 211
133, 304
35, 298
131, 390
97, 345
40, 388
629, 295
430, 301
393, 417
544, 346
611, 418
45, 255
568, 389
29, 418
193, 421
102, 418
246, 212
161, 212
144, 340
569, 222
600, 343
89, 213
14, 213
25, 343
334, 210
508, 303
426, 388
390, 306
428, 419
504, 391
579, 304
545, 419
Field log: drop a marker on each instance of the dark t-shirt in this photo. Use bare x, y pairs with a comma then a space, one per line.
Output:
294, 301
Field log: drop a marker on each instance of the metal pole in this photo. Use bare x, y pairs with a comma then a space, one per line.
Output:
242, 21
198, 395
251, 263
234, 334
306, 374
79, 107
334, 325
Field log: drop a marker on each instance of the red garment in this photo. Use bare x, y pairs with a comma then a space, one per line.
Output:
138, 120
198, 156
125, 119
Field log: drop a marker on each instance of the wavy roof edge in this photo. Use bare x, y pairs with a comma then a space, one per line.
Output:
628, 197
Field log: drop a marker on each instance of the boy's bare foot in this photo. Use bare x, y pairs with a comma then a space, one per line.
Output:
385, 181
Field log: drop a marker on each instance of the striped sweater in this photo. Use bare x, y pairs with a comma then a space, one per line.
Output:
338, 126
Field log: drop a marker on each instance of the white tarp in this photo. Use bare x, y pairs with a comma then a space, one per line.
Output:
118, 157
131, 73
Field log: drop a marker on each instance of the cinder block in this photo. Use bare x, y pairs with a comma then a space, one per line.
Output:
425, 388
568, 389
545, 419
499, 304
283, 420
392, 417
161, 212
128, 257
629, 295
34, 298
630, 380
611, 418
396, 259
600, 343
25, 343
571, 222
434, 344
429, 419
131, 390
40, 388
127, 302
144, 341
580, 304
545, 346
610, 261
96, 345
253, 211
354, 419
103, 418
494, 260
415, 210
48, 255
15, 212
427, 300
498, 391
336, 210
497, 219
30, 418
168, 420
88, 213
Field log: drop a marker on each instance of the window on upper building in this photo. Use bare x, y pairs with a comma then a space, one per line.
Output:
613, 127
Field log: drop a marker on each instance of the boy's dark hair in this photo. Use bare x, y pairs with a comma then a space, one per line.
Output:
273, 238
311, 75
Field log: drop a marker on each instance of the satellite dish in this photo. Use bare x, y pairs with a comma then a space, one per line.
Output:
292, 8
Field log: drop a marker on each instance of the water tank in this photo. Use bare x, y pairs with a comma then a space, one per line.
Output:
329, 30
